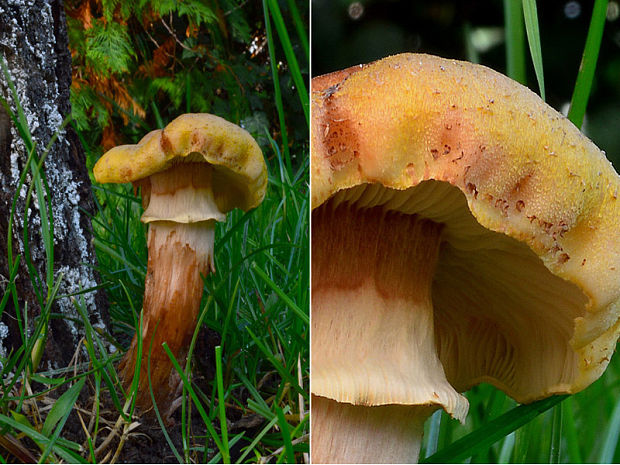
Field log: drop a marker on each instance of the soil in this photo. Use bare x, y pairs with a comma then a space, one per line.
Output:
145, 444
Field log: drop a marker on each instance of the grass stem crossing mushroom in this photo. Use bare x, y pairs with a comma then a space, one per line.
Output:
190, 173
463, 231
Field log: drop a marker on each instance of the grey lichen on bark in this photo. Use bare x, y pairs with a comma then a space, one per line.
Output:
34, 45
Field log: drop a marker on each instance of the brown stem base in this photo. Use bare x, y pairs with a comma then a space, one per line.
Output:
173, 291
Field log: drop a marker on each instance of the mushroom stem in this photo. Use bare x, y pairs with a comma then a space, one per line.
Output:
353, 434
179, 253
181, 212
373, 341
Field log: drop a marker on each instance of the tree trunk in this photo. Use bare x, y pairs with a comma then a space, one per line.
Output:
34, 44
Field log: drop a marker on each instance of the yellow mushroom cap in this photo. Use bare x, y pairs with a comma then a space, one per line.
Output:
239, 172
524, 172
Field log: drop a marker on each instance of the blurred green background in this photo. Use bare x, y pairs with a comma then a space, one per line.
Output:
474, 31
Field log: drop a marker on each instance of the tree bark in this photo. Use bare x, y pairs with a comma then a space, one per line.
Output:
34, 44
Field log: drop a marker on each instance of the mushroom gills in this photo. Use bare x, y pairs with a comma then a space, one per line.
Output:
372, 310
413, 301
499, 315
376, 375
182, 193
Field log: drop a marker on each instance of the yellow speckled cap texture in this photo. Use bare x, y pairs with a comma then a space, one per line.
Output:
240, 174
524, 169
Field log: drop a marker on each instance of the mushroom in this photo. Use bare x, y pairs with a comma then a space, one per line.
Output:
463, 231
190, 173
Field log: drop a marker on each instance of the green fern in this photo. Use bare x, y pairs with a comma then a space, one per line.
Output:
171, 88
108, 48
197, 12
86, 108
240, 27
108, 8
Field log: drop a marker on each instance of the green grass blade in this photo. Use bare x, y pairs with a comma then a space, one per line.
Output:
9, 240
515, 40
433, 433
280, 25
190, 353
219, 377
256, 395
287, 300
233, 229
59, 448
572, 439
256, 440
158, 119
106, 191
45, 380
25, 351
39, 184
188, 93
64, 403
217, 458
484, 437
229, 313
110, 377
530, 14
20, 120
507, 448
286, 436
555, 451
262, 409
583, 86
192, 393
23, 420
45, 208
610, 443
11, 283
471, 52
300, 28
277, 365
156, 409
276, 85
113, 253
37, 341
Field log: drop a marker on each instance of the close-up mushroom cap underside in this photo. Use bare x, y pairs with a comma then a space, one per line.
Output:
513, 215
239, 175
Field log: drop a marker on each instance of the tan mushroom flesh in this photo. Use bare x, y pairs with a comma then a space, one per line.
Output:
463, 231
191, 173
